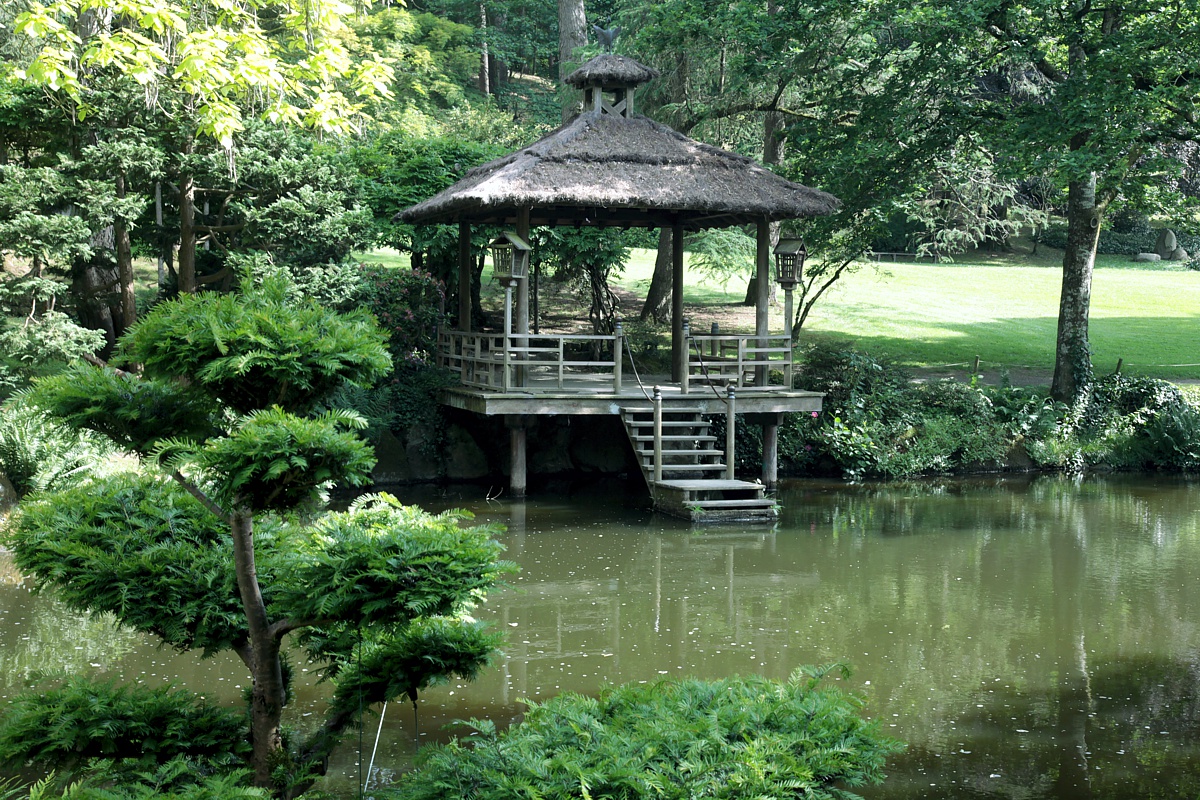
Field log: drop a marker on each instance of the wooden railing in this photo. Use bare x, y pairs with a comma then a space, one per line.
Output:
497, 362
741, 360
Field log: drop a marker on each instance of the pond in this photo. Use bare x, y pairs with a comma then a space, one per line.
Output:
1031, 638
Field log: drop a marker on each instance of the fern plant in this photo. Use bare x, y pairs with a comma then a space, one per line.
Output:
673, 740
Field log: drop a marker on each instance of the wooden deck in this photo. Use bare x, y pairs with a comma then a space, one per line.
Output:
522, 376
595, 395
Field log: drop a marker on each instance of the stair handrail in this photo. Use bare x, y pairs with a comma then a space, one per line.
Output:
658, 426
704, 370
636, 375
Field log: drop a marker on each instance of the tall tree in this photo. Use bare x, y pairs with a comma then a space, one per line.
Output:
572, 37
204, 66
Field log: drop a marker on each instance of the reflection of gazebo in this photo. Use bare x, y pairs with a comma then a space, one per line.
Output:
610, 167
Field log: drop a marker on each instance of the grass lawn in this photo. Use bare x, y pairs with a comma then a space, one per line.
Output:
1003, 309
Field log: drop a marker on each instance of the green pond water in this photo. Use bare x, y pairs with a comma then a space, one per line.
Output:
1031, 638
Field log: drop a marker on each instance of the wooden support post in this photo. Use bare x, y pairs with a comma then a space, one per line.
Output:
522, 309
678, 353
713, 349
762, 272
770, 449
464, 276
730, 434
508, 337
517, 481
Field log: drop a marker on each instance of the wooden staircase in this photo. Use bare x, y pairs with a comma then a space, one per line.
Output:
694, 483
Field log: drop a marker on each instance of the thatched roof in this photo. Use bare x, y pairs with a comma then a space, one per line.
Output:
606, 169
611, 69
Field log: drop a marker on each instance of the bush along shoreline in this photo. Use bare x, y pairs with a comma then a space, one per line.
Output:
879, 424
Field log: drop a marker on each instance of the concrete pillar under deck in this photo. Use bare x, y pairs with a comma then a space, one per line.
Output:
518, 426
770, 465
770, 423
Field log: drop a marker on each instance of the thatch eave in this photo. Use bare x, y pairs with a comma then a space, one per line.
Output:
608, 170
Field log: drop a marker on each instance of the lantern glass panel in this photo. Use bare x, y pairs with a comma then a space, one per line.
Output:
502, 259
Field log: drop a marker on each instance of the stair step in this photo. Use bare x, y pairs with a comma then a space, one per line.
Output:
758, 502
668, 423
667, 409
648, 458
671, 437
692, 468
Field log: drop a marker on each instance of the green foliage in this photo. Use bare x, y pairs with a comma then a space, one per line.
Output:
383, 563
723, 253
409, 305
735, 738
258, 348
1124, 422
39, 454
133, 412
401, 170
274, 459
285, 193
428, 652
142, 549
878, 424
134, 728
178, 779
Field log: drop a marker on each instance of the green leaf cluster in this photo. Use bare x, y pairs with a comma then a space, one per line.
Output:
39, 454
258, 348
733, 738
135, 728
142, 549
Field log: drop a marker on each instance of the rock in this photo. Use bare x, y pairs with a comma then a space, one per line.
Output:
1178, 254
424, 460
1147, 257
405, 462
598, 444
465, 459
549, 448
391, 462
1165, 244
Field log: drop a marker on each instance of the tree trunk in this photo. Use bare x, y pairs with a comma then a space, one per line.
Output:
124, 251
485, 58
658, 297
572, 35
186, 264
1073, 360
267, 694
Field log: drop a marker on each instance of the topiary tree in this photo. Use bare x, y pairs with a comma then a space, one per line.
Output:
225, 548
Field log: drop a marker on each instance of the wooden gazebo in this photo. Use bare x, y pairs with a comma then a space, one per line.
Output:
612, 167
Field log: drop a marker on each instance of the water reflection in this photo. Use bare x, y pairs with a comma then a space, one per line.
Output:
1028, 638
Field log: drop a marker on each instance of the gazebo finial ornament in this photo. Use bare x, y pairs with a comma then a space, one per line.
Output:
606, 36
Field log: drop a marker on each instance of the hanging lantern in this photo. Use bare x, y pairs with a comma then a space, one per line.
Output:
789, 262
510, 258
